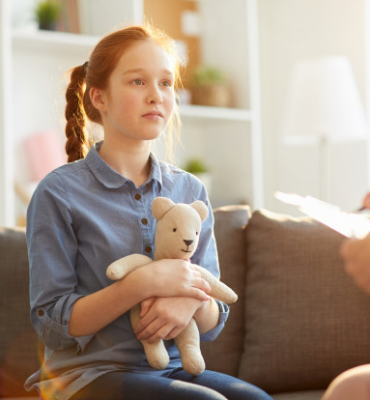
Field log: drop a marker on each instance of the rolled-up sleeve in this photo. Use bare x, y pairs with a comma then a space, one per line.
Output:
52, 250
213, 333
207, 257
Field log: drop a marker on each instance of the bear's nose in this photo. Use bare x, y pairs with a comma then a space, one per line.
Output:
188, 242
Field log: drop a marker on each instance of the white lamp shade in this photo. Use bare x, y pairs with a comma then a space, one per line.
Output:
324, 101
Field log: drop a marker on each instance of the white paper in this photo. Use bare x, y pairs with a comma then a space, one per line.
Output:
348, 224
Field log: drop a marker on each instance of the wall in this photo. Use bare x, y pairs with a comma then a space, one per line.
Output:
294, 30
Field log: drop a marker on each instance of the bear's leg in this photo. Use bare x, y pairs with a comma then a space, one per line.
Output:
156, 353
188, 343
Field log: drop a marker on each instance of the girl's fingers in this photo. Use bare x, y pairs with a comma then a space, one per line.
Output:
144, 323
149, 331
172, 334
155, 331
160, 334
198, 294
202, 284
145, 306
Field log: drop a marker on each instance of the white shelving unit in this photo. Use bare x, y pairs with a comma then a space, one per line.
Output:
46, 41
219, 113
6, 162
229, 139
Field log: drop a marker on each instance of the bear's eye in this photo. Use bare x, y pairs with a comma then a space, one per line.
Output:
197, 233
174, 230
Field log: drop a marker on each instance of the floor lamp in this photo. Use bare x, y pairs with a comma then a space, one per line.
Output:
324, 107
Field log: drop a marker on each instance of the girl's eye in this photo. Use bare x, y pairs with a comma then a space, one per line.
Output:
137, 82
174, 230
167, 83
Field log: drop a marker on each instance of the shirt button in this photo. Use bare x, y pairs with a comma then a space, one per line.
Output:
144, 221
148, 249
137, 196
40, 313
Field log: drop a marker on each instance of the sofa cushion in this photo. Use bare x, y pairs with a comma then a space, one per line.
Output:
306, 321
223, 354
18, 344
306, 395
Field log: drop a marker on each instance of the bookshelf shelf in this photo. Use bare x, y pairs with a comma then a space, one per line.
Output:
52, 41
39, 60
68, 42
215, 113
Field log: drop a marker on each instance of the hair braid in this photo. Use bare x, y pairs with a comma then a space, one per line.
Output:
77, 143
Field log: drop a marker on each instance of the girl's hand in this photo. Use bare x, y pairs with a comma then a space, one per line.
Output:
176, 278
146, 305
165, 318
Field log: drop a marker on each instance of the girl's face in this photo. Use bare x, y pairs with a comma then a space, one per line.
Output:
140, 98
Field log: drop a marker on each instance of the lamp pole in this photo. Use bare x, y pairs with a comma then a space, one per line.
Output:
325, 162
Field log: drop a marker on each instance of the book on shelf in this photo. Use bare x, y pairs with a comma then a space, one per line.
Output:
69, 20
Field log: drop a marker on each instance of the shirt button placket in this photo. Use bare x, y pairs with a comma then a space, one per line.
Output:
145, 231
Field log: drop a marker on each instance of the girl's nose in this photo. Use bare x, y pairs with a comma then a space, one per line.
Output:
155, 95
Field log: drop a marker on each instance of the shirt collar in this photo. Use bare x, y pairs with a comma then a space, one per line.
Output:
111, 178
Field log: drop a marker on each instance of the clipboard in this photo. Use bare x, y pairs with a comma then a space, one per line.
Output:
350, 225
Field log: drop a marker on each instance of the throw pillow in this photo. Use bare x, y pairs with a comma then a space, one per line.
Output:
306, 321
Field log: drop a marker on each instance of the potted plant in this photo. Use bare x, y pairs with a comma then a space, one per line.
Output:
209, 87
197, 167
47, 13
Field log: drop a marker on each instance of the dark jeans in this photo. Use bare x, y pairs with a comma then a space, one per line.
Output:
178, 385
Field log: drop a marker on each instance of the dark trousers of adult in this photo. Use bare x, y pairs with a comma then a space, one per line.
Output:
178, 385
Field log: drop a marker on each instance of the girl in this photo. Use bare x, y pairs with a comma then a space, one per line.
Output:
89, 213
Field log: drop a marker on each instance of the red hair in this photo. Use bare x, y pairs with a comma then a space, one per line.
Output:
96, 73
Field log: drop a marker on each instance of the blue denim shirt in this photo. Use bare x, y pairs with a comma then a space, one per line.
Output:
82, 217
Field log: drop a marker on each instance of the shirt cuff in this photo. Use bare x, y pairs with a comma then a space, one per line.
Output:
213, 333
53, 324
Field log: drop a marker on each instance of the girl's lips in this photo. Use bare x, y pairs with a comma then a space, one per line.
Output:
153, 115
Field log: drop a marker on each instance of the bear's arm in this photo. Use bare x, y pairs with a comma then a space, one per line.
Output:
122, 267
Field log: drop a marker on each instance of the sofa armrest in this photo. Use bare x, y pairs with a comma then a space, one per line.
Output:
19, 353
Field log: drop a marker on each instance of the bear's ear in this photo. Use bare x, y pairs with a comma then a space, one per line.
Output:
201, 208
160, 206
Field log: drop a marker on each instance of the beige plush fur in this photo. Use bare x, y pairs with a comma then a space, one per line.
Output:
176, 237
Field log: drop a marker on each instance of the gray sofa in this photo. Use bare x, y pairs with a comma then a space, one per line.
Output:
298, 323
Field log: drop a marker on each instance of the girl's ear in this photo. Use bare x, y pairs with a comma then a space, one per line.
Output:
98, 99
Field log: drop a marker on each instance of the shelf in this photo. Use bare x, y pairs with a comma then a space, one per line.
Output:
47, 54
215, 113
62, 41
53, 41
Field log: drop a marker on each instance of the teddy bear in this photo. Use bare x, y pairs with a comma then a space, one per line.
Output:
176, 237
